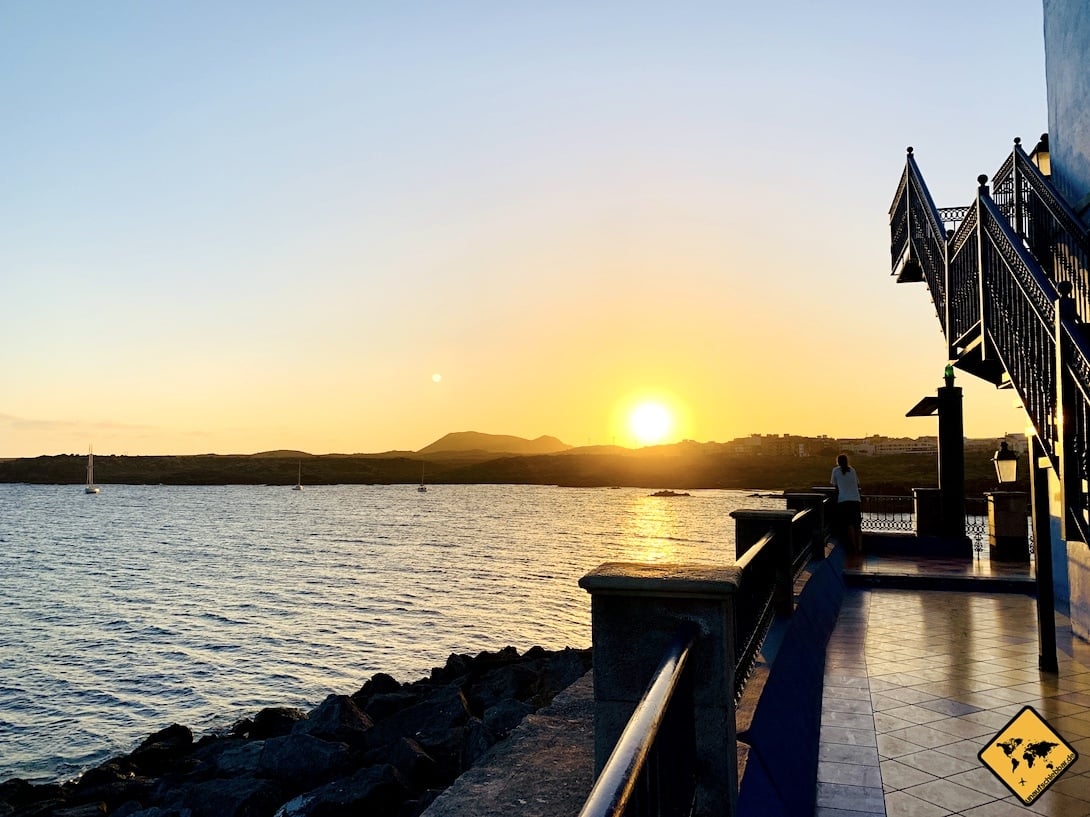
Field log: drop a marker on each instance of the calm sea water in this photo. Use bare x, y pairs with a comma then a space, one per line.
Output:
143, 606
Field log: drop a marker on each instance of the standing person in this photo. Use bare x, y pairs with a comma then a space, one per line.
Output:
848, 502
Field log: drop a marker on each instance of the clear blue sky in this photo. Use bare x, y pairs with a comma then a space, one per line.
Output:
346, 226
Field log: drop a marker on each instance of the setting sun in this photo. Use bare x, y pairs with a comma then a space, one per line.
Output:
650, 423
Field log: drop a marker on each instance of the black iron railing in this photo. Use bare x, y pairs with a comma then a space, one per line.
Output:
1012, 289
896, 514
634, 781
652, 767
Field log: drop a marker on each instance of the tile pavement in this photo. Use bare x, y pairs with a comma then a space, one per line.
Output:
916, 683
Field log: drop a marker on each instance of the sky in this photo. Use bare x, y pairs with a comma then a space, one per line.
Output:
357, 226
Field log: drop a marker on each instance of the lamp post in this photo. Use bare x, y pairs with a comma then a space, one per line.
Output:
1040, 156
1007, 532
1006, 464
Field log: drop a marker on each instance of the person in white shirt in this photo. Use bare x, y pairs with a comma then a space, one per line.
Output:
848, 501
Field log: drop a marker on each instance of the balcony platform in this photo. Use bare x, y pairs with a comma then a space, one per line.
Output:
905, 562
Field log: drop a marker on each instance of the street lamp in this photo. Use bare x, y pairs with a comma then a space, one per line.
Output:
1040, 156
1006, 464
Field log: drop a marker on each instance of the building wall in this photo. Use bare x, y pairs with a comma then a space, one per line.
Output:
1061, 581
1067, 80
1067, 55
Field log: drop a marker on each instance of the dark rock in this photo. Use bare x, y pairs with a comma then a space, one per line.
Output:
231, 797
446, 709
475, 743
500, 719
379, 684
412, 741
160, 752
86, 810
304, 760
414, 808
338, 719
275, 721
456, 667
502, 683
174, 736
417, 768
385, 704
110, 794
241, 728
108, 772
376, 790
19, 793
445, 745
129, 808
561, 671
239, 758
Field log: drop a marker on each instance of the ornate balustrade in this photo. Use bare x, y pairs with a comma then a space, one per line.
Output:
896, 514
1011, 286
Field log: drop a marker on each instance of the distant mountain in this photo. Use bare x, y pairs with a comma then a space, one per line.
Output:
281, 454
466, 441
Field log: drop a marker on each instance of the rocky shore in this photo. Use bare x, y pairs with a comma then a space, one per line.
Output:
389, 749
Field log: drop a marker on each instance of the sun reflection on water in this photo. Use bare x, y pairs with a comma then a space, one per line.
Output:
654, 530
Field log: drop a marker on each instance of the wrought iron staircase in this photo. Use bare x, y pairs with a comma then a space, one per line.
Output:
1010, 279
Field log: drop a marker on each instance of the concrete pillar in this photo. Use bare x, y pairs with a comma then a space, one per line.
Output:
1008, 535
636, 611
927, 511
749, 527
952, 462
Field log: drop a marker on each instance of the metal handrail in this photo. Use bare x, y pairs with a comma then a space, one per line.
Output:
615, 787
1048, 225
803, 524
1014, 281
754, 607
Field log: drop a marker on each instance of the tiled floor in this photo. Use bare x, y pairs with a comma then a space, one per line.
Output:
917, 682
979, 567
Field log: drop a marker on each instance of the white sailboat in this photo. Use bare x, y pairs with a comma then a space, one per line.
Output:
298, 486
91, 487
423, 488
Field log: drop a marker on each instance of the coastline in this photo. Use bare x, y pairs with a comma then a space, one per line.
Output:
682, 467
391, 748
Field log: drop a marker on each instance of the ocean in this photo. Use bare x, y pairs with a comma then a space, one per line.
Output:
143, 606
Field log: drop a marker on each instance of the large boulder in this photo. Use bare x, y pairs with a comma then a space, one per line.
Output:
445, 709
338, 719
303, 761
376, 790
274, 722
227, 797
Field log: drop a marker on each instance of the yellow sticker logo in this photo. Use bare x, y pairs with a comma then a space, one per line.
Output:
1027, 755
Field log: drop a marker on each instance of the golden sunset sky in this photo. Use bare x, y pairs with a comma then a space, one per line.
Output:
235, 227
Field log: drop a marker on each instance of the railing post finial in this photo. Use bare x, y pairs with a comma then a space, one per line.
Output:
1065, 288
982, 180
909, 149
1017, 140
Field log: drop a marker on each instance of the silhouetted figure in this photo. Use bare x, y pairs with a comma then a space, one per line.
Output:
848, 502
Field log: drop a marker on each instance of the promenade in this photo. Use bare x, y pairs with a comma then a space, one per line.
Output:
918, 680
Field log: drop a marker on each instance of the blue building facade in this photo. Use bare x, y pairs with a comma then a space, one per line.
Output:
1067, 80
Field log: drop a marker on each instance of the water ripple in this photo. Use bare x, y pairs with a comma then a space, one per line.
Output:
146, 605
